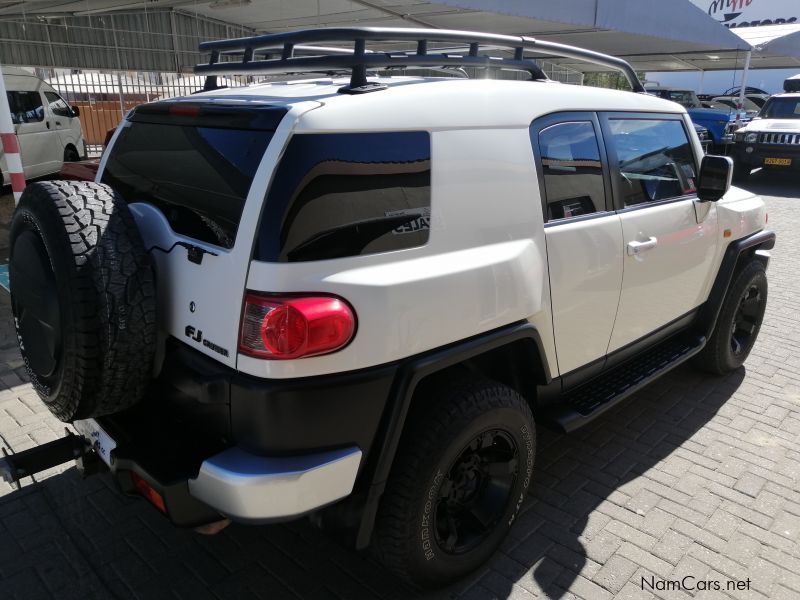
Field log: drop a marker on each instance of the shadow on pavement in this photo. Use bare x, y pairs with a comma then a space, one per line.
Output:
774, 183
575, 473
68, 538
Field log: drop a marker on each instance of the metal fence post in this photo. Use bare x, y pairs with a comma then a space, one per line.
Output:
10, 144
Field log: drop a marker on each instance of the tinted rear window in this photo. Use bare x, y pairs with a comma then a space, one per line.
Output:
336, 195
197, 176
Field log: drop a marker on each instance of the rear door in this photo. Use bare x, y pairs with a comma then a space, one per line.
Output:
195, 174
583, 237
669, 236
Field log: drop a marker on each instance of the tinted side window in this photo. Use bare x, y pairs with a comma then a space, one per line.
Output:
654, 157
57, 105
336, 195
26, 107
573, 172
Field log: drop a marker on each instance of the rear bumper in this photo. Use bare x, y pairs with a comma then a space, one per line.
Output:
242, 486
258, 489
252, 450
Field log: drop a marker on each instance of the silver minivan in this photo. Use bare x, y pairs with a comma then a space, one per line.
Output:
48, 129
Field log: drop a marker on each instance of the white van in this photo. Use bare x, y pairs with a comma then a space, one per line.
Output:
48, 128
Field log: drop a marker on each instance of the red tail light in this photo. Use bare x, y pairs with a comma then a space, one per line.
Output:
286, 327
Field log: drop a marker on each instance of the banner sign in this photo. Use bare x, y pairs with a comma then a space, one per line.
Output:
751, 13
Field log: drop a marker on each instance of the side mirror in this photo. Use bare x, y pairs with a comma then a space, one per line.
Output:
716, 173
76, 112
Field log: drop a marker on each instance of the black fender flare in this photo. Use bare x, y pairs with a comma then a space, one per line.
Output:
762, 240
409, 375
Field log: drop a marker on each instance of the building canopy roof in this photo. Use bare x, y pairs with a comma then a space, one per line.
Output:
651, 34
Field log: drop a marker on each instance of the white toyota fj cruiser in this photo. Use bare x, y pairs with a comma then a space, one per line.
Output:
354, 298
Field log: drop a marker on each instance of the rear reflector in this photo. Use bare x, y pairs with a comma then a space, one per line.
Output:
281, 328
150, 494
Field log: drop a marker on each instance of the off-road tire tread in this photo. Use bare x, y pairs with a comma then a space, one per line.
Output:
446, 408
110, 296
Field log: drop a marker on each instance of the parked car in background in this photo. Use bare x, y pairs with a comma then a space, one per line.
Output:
702, 135
792, 84
749, 107
758, 99
719, 122
771, 140
48, 129
755, 94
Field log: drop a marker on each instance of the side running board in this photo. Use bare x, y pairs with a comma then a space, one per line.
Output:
593, 398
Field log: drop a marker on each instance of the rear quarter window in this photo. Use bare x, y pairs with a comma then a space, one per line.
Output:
338, 195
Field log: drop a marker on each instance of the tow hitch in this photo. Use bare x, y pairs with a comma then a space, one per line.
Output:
15, 466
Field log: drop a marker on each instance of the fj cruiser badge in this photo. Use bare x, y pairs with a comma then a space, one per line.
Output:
197, 336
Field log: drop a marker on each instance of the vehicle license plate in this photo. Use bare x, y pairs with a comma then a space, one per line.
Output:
102, 443
779, 162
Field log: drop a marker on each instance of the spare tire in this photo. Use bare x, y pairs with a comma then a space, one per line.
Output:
83, 297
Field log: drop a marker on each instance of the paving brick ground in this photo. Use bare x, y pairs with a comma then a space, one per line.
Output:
694, 476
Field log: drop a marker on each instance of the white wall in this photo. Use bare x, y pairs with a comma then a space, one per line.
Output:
715, 82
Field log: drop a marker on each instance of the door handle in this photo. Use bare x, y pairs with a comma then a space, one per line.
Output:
48, 124
58, 122
635, 248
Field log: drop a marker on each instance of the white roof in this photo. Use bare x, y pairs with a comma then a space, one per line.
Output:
434, 103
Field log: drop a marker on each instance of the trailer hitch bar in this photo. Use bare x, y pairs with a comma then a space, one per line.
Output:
15, 466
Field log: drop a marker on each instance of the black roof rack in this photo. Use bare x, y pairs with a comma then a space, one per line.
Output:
289, 53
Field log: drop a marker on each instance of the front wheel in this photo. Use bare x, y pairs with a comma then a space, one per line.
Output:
460, 477
738, 323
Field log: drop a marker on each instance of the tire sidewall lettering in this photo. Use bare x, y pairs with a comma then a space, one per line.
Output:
426, 524
527, 436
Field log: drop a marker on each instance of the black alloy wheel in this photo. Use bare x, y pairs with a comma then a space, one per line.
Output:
459, 479
746, 320
35, 303
739, 321
475, 492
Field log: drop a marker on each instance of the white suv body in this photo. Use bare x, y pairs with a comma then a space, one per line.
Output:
486, 227
355, 299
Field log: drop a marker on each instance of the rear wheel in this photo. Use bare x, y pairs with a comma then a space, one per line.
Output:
738, 323
83, 298
71, 154
460, 477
